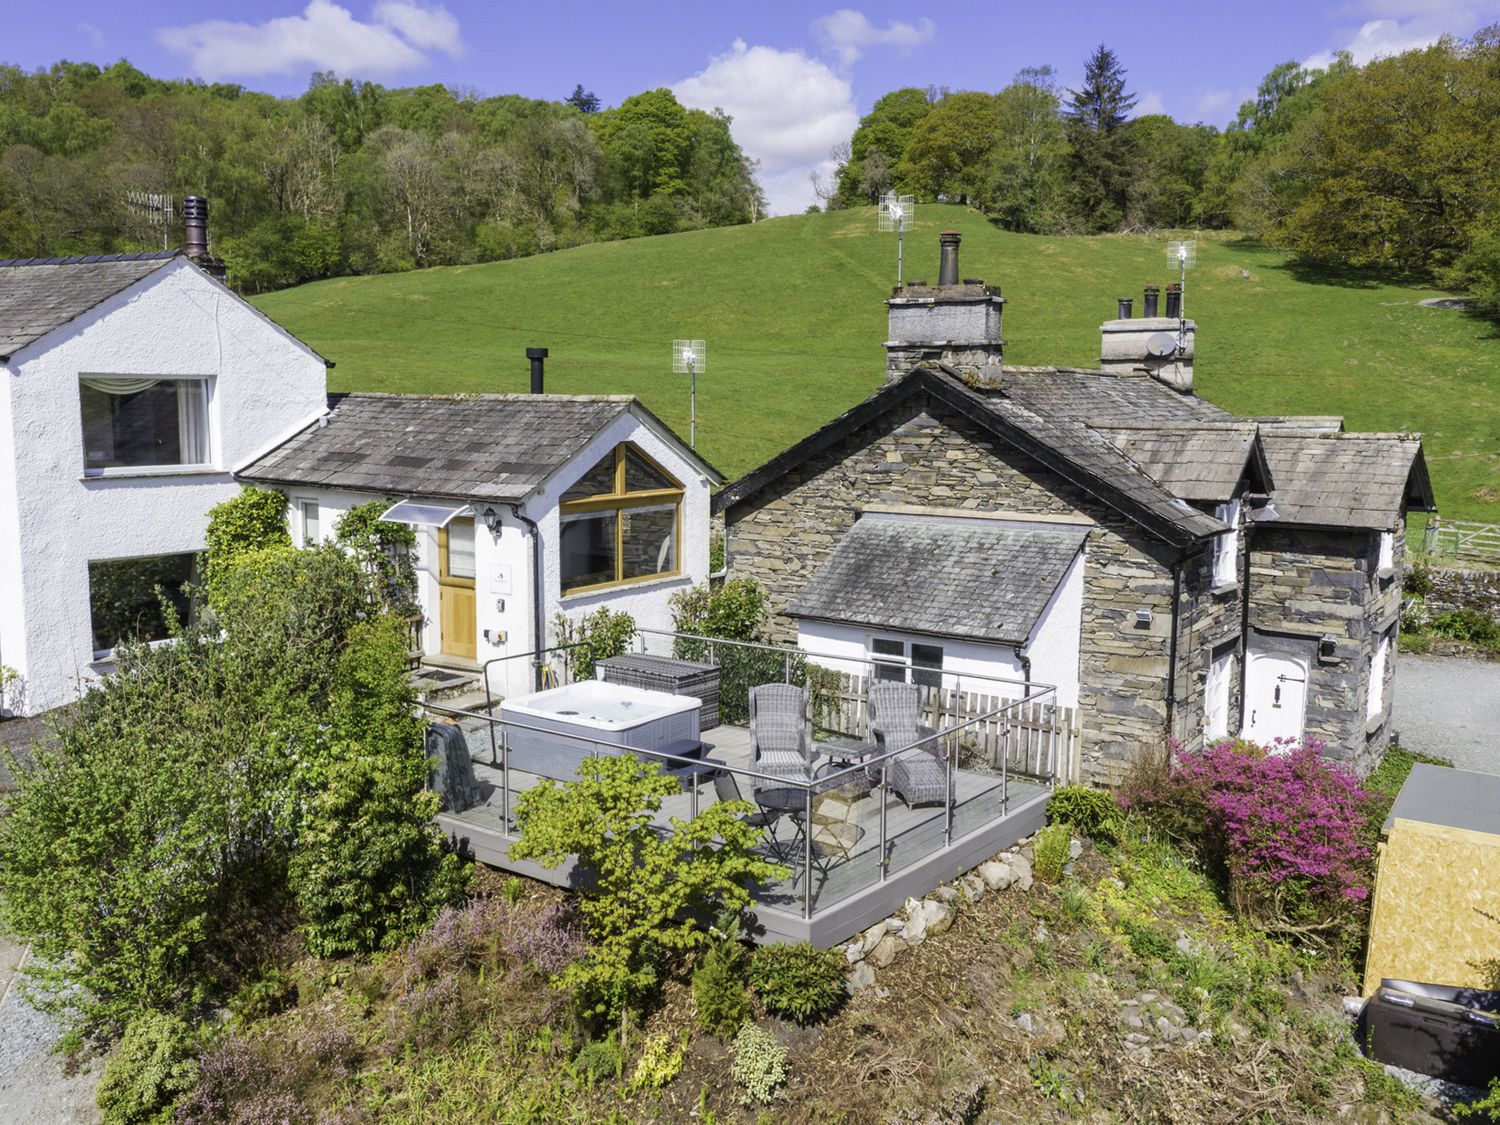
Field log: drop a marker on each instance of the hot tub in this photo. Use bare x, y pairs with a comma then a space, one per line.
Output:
549, 733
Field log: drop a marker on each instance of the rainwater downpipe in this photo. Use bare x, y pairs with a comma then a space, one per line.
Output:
538, 597
1172, 646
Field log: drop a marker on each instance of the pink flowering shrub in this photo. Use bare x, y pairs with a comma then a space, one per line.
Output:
1285, 825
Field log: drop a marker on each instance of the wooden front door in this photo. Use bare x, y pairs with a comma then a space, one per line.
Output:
1275, 697
456, 606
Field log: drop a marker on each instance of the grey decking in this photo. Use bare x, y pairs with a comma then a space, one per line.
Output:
846, 895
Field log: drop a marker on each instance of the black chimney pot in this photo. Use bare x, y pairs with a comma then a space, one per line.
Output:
1125, 306
948, 261
195, 226
1174, 300
1148, 304
536, 355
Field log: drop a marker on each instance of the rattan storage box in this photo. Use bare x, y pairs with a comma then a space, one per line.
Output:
663, 673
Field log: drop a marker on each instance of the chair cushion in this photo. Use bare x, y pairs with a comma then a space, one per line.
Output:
783, 763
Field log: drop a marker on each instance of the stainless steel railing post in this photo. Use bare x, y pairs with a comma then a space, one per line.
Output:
885, 796
807, 848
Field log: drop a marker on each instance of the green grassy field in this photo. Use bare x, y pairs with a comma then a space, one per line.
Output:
791, 309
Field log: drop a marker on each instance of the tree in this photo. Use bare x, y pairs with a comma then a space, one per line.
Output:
583, 102
1171, 163
948, 150
1101, 159
878, 146
1026, 164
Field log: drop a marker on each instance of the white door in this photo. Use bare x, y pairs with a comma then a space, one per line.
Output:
1275, 697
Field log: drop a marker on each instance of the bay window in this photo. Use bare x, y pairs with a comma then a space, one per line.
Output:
620, 523
143, 423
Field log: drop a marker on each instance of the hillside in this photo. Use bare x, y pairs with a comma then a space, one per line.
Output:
791, 309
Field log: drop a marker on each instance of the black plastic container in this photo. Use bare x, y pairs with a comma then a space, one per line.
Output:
1434, 1029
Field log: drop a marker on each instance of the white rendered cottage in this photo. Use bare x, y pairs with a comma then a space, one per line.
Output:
525, 506
131, 387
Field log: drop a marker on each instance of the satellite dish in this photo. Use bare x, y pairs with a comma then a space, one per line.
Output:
1161, 344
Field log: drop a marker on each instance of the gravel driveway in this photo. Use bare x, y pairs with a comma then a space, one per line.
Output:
1450, 706
33, 1088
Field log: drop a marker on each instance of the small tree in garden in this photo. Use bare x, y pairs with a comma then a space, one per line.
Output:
734, 611
244, 524
1286, 826
649, 894
602, 634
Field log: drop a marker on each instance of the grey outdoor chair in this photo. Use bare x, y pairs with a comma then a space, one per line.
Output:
919, 777
780, 731
726, 788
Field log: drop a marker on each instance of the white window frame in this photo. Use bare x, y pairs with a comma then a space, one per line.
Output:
301, 503
906, 660
1227, 546
1216, 685
1385, 558
1375, 690
209, 436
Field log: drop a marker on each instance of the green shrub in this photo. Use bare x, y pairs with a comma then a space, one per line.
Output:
156, 1064
648, 892
734, 610
601, 634
384, 551
659, 1063
600, 1060
719, 989
1051, 851
1092, 812
1469, 625
759, 1065
1418, 581
798, 981
252, 521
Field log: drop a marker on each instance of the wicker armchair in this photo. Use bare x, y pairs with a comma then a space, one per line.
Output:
780, 731
919, 777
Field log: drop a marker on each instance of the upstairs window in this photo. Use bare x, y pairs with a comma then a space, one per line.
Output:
620, 522
143, 423
1227, 545
1385, 556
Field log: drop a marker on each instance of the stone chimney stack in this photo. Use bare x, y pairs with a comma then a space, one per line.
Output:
955, 322
1159, 346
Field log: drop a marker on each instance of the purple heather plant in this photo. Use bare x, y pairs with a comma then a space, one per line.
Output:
1287, 824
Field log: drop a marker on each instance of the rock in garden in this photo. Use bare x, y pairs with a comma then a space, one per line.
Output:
885, 950
1075, 849
1026, 1023
861, 978
946, 892
973, 887
996, 875
1022, 867
854, 951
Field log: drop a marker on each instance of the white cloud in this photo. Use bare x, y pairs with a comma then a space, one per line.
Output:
788, 110
848, 33
324, 37
1405, 25
1149, 103
92, 34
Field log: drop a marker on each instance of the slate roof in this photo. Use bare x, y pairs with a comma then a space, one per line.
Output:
1203, 462
40, 295
1448, 797
1067, 447
463, 447
1100, 397
980, 579
1326, 478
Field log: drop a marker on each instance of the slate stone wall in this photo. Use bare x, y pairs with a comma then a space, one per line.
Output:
923, 455
1454, 589
1210, 619
1307, 583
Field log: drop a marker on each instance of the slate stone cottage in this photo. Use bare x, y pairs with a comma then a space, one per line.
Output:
1170, 567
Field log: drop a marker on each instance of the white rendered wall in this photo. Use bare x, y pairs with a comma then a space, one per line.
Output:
177, 322
1056, 639
503, 561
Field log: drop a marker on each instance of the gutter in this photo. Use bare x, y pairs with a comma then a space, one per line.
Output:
538, 600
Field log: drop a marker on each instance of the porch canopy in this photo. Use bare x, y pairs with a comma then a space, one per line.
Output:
426, 513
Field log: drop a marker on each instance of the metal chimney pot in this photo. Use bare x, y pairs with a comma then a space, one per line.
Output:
1174, 300
536, 355
1125, 306
1148, 302
948, 262
195, 226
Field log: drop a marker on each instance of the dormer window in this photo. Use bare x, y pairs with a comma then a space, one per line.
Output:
1227, 546
131, 423
619, 523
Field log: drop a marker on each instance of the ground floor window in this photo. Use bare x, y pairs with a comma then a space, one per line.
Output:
312, 529
130, 599
1375, 696
916, 662
1216, 693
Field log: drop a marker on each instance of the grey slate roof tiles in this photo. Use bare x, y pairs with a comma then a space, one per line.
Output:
40, 295
980, 579
1331, 479
1100, 396
476, 447
1204, 462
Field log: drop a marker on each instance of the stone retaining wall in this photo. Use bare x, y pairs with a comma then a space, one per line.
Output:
1454, 589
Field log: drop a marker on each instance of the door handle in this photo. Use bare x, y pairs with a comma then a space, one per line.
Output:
1252, 716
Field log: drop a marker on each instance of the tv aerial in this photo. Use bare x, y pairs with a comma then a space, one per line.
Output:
690, 358
896, 213
155, 208
1184, 254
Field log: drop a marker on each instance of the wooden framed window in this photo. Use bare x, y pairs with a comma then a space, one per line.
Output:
621, 522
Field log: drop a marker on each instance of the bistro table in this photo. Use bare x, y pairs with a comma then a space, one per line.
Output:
784, 801
841, 754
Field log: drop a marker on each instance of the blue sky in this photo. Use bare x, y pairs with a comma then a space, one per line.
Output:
794, 76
